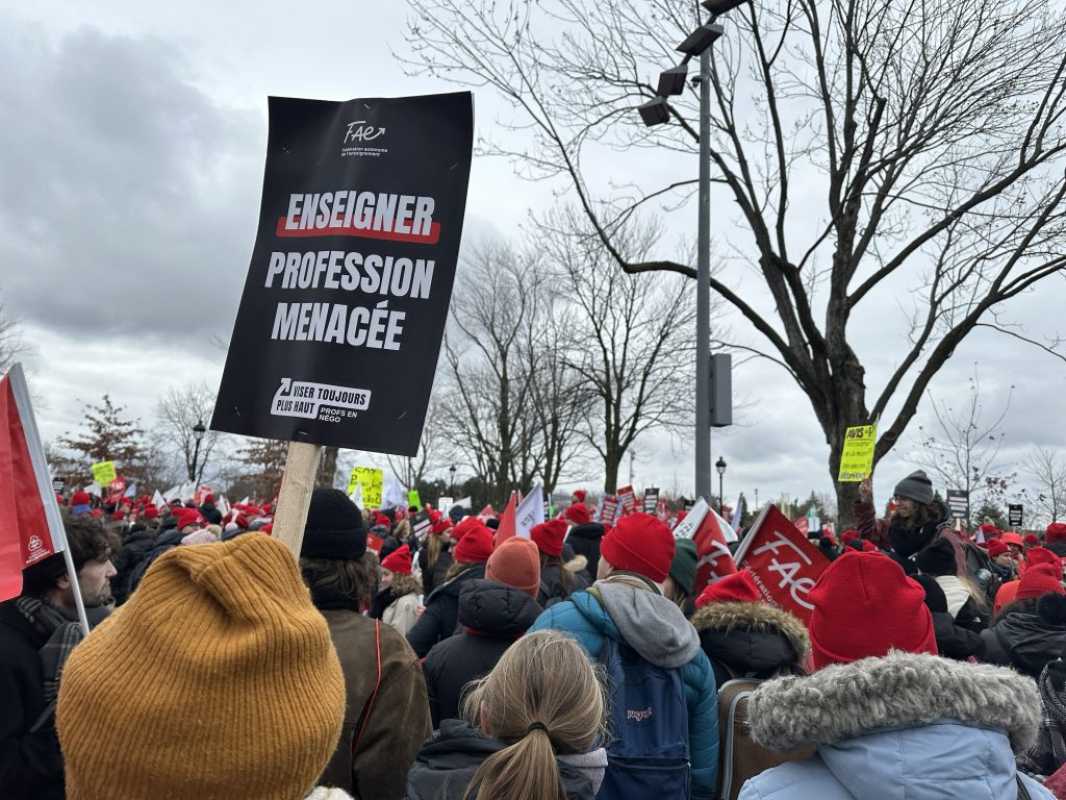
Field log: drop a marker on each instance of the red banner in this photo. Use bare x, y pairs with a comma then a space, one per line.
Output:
783, 562
24, 534
508, 522
713, 559
628, 498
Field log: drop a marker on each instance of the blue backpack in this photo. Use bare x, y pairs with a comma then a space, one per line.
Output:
647, 754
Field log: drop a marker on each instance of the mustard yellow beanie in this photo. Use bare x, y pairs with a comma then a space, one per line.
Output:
217, 679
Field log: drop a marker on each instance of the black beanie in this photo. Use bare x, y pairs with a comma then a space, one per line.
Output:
938, 558
916, 487
935, 599
334, 528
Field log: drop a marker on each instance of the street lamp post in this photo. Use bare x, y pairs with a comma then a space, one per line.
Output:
720, 465
451, 472
657, 112
198, 431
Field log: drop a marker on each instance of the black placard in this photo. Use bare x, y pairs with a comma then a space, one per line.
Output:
1014, 515
343, 311
958, 503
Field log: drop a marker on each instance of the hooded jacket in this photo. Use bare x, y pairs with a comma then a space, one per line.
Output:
905, 725
751, 640
441, 615
492, 616
133, 551
398, 723
585, 540
432, 578
1027, 637
448, 761
551, 584
653, 626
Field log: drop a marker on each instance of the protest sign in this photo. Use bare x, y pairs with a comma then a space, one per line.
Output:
1014, 515
343, 311
414, 498
369, 481
104, 472
608, 510
651, 500
627, 499
784, 564
959, 503
444, 504
687, 527
857, 460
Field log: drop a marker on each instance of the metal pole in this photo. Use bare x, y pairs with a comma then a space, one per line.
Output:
195, 458
703, 290
721, 493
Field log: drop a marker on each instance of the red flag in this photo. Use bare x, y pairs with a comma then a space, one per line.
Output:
508, 522
25, 534
802, 525
713, 559
487, 513
784, 563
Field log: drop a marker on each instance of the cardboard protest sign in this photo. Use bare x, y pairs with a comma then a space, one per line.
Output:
414, 498
627, 498
343, 311
608, 510
687, 527
104, 472
784, 564
1014, 514
857, 460
369, 482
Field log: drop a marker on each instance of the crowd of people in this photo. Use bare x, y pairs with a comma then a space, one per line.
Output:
581, 662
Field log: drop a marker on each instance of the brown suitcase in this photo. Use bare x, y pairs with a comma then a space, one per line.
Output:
740, 758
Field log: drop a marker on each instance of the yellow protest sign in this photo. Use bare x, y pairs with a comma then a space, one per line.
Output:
369, 480
103, 473
857, 460
414, 498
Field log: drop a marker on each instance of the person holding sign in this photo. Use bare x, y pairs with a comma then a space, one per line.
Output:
915, 520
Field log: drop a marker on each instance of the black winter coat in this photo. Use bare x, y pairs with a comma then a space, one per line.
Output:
31, 765
133, 551
956, 641
585, 540
1024, 639
441, 616
907, 541
751, 640
492, 616
447, 763
551, 584
167, 540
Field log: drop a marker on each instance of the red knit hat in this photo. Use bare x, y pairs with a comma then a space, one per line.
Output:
80, 498
475, 547
578, 513
1040, 580
1010, 537
736, 588
151, 512
1041, 555
990, 531
382, 519
1056, 532
118, 516
516, 562
548, 536
996, 548
186, 517
398, 561
440, 526
639, 543
1031, 540
465, 526
865, 605
849, 536
580, 495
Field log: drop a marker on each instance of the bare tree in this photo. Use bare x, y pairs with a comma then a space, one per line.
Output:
633, 348
178, 412
1047, 469
487, 393
962, 452
411, 471
12, 344
931, 134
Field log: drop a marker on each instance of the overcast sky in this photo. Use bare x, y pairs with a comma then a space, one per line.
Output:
131, 159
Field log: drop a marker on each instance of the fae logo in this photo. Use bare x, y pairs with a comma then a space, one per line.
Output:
358, 136
360, 131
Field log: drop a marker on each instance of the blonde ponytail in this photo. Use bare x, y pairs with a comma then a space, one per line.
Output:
542, 698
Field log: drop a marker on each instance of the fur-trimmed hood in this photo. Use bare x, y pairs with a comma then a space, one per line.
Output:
757, 618
751, 640
898, 691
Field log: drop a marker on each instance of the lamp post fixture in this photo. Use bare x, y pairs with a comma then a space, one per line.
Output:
657, 112
720, 465
198, 431
451, 472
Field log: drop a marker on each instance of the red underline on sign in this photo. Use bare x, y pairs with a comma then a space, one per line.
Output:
433, 237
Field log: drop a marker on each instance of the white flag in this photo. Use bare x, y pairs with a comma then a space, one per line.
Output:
738, 512
158, 500
393, 495
131, 491
687, 528
530, 512
93, 489
223, 505
464, 502
173, 493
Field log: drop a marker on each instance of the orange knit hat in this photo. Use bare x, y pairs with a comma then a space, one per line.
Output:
217, 679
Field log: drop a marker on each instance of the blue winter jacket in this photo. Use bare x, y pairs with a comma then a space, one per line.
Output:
900, 727
654, 627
